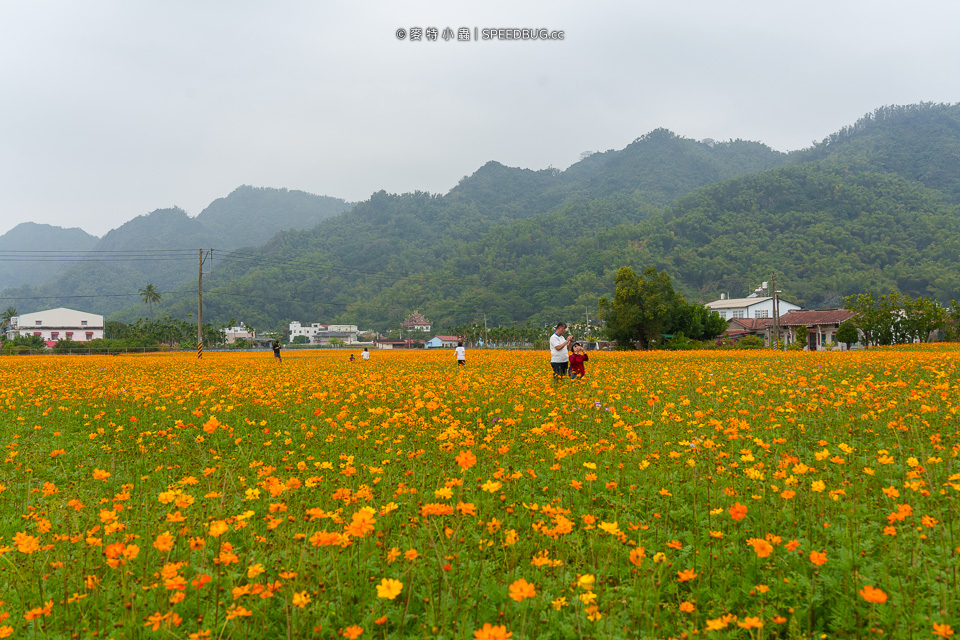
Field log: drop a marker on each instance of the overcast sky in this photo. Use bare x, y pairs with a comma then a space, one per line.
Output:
111, 109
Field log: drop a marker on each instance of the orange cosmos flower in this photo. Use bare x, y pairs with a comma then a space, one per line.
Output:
36, 612
218, 528
100, 474
637, 554
521, 589
818, 558
750, 623
761, 547
211, 425
26, 543
687, 607
389, 588
872, 594
942, 630
491, 632
353, 632
301, 599
164, 542
738, 511
361, 523
466, 459
686, 574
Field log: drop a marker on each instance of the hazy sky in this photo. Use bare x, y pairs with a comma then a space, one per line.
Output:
111, 109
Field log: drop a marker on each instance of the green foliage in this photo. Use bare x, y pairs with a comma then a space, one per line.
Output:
894, 318
301, 340
847, 333
646, 307
802, 334
749, 342
168, 331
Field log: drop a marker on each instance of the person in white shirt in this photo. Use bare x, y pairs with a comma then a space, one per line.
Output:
559, 357
365, 354
461, 354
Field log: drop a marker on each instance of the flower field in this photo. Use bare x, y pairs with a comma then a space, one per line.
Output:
725, 494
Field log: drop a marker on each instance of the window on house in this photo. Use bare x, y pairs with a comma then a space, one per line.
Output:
723, 314
38, 323
83, 323
738, 313
761, 313
54, 335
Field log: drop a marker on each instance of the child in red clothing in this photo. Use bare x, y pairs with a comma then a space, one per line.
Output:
577, 358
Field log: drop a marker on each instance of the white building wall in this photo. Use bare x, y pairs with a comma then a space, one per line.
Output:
58, 324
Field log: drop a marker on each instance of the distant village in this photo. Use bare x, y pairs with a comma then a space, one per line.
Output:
751, 316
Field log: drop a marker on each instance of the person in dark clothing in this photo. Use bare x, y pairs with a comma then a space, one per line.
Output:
276, 351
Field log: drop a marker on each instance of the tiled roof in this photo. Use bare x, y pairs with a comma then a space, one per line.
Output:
448, 338
752, 324
735, 303
809, 318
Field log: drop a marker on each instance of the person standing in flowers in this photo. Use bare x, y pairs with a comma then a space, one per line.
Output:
365, 354
577, 358
559, 357
461, 353
276, 351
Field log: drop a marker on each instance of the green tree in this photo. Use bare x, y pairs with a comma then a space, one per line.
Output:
643, 307
150, 295
847, 333
5, 319
801, 333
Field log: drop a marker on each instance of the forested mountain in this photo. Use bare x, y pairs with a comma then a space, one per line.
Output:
871, 208
30, 237
161, 247
919, 142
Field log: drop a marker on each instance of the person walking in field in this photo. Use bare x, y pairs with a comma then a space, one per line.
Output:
276, 351
461, 354
577, 358
559, 357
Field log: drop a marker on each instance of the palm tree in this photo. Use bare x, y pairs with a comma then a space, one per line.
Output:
149, 295
6, 317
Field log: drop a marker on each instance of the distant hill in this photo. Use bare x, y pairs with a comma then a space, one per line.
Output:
164, 244
919, 142
518, 245
30, 236
658, 168
872, 208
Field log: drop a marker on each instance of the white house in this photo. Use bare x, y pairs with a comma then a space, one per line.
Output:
242, 332
318, 333
751, 307
416, 322
442, 342
57, 324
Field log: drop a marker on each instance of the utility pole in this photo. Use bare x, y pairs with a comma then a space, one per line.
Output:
201, 259
486, 339
776, 310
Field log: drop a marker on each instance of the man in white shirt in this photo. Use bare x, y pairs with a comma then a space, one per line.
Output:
559, 358
461, 354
